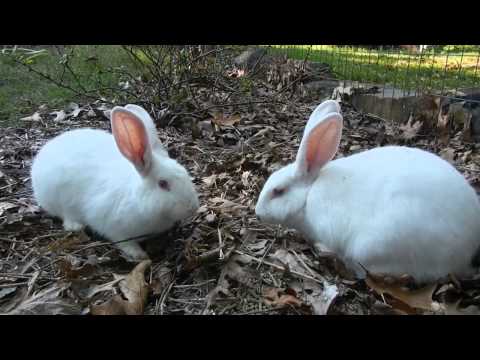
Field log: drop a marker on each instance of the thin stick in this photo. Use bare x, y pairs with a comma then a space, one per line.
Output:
303, 263
2, 286
220, 245
281, 268
164, 297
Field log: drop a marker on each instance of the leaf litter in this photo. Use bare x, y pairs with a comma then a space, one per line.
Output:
224, 261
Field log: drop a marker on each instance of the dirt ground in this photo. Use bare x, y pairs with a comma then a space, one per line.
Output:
223, 261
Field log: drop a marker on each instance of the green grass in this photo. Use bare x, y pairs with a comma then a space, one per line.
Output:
22, 91
428, 71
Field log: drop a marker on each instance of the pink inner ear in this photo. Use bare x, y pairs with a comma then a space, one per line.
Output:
130, 136
322, 144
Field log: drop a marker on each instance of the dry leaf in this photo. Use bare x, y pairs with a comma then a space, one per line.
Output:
75, 112
6, 291
134, 290
280, 298
454, 309
220, 120
5, 206
59, 115
448, 154
237, 272
233, 271
410, 130
319, 296
161, 279
210, 180
47, 302
258, 248
35, 117
323, 299
210, 218
285, 258
227, 206
416, 299
71, 272
68, 242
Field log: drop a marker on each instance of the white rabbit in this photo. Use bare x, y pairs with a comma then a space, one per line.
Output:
395, 210
117, 185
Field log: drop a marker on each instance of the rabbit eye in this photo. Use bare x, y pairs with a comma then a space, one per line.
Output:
164, 185
278, 192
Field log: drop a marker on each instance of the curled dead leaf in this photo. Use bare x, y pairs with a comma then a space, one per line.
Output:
403, 298
59, 115
220, 119
282, 298
72, 272
134, 290
35, 117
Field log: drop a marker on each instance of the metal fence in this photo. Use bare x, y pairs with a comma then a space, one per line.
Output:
449, 72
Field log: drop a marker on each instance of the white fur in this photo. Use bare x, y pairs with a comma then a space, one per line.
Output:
395, 210
81, 177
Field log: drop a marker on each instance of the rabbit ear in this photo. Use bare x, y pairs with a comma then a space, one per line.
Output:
132, 139
319, 144
329, 106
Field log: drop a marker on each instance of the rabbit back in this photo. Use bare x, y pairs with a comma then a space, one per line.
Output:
397, 210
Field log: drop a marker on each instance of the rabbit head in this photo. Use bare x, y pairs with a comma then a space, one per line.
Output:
164, 187
283, 197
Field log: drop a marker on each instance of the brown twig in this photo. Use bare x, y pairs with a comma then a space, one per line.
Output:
281, 268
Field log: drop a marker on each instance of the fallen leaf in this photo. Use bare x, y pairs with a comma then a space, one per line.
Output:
245, 176
73, 106
220, 120
285, 258
280, 299
210, 218
448, 154
235, 271
454, 309
415, 299
134, 290
227, 206
258, 248
6, 291
85, 290
35, 117
319, 296
5, 206
210, 180
68, 242
161, 278
410, 130
76, 112
321, 301
47, 302
72, 272
59, 115
202, 209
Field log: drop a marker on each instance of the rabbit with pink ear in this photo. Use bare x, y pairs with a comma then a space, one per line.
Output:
394, 210
121, 186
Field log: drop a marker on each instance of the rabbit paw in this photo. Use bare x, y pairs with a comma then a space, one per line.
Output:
133, 251
70, 225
